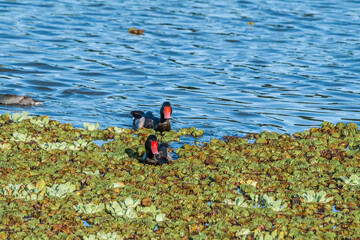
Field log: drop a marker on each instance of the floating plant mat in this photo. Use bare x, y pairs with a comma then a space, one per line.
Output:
56, 183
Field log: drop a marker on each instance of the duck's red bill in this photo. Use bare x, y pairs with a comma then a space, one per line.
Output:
167, 112
154, 147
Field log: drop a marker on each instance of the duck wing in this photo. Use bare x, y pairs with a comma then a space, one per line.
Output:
154, 160
150, 120
163, 152
137, 114
137, 121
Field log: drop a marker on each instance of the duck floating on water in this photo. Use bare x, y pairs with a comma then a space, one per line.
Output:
148, 120
156, 153
10, 99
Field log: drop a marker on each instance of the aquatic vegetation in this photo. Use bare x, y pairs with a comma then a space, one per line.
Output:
352, 180
123, 208
90, 126
239, 201
312, 196
271, 203
22, 137
56, 183
260, 235
60, 190
92, 173
89, 208
103, 236
52, 146
136, 31
16, 117
120, 130
27, 192
75, 145
43, 122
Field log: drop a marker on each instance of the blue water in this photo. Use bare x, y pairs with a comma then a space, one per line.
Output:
295, 67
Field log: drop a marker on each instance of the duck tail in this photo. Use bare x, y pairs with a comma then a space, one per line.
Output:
137, 114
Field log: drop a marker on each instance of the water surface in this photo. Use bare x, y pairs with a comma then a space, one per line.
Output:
297, 65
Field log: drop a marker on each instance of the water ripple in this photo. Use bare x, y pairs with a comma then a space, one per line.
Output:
296, 66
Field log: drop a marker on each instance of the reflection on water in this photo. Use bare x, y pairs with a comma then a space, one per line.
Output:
295, 67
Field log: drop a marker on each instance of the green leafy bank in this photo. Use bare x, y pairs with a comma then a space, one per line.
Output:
57, 183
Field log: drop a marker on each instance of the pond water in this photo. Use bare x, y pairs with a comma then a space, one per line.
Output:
228, 67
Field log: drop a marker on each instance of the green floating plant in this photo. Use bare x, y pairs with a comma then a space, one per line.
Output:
21, 137
270, 173
260, 235
352, 180
89, 208
258, 201
96, 173
158, 216
271, 203
78, 144
103, 236
123, 208
90, 126
42, 122
118, 185
239, 201
16, 117
5, 146
201, 236
52, 146
120, 130
27, 192
75, 145
60, 190
319, 197
243, 233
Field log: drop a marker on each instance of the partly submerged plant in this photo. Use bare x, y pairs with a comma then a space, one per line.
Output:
89, 208
319, 197
16, 117
91, 127
120, 130
352, 180
96, 173
123, 208
21, 137
60, 190
78, 144
243, 233
239, 201
27, 192
271, 203
260, 235
52, 146
103, 236
42, 122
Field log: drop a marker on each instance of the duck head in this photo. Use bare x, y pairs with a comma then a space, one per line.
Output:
166, 110
151, 146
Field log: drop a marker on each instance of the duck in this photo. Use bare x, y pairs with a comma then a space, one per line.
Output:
155, 153
148, 120
11, 99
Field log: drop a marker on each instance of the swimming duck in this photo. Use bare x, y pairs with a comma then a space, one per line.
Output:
148, 120
156, 153
10, 99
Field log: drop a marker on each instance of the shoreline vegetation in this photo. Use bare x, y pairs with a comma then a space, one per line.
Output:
56, 182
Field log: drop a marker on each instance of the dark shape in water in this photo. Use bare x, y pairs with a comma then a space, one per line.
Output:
10, 99
136, 31
156, 153
148, 120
